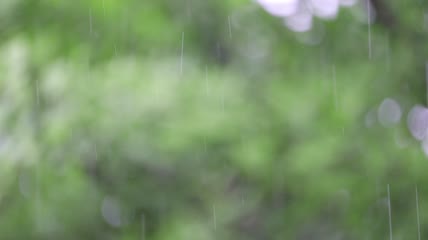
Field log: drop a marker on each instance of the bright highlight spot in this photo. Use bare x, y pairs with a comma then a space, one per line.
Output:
326, 9
417, 122
298, 14
280, 8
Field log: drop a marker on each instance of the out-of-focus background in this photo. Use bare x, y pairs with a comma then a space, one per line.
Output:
238, 119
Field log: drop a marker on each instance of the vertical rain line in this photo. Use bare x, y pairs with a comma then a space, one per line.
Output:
388, 52
37, 93
369, 29
222, 98
206, 80
143, 227
104, 9
389, 213
335, 87
230, 26
182, 53
214, 218
37, 136
417, 212
90, 21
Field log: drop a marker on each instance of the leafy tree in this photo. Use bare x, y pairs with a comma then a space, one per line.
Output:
208, 120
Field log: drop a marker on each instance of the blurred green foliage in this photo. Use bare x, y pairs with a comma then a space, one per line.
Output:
255, 132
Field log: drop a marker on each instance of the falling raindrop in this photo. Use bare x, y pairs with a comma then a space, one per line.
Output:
37, 92
223, 99
143, 227
182, 53
369, 19
90, 21
417, 212
389, 213
334, 87
230, 26
214, 217
388, 52
104, 8
426, 20
206, 81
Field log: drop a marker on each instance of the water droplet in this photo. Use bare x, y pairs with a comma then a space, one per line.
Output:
182, 53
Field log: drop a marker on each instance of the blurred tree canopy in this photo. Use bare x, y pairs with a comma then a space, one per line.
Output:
207, 120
